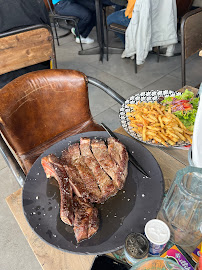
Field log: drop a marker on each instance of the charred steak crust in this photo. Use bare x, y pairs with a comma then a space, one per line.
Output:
86, 176
75, 180
119, 153
53, 168
108, 164
94, 221
103, 180
86, 221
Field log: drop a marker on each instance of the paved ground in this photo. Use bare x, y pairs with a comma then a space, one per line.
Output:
118, 73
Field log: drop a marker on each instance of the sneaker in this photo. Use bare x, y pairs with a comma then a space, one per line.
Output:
164, 51
73, 31
170, 50
86, 40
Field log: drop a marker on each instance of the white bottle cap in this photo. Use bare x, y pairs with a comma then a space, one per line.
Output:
157, 232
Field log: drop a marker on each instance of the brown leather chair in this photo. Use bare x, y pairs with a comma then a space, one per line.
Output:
183, 6
191, 37
41, 108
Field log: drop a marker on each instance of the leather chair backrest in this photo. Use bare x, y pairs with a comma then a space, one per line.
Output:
41, 108
191, 37
183, 6
192, 32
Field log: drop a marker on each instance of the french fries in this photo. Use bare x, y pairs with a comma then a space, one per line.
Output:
153, 123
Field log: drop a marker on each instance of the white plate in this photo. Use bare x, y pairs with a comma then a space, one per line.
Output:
147, 96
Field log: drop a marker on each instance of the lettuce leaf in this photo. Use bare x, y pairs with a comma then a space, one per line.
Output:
187, 95
195, 102
167, 100
187, 118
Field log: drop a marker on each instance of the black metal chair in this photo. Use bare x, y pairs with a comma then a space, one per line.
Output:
191, 37
56, 18
116, 28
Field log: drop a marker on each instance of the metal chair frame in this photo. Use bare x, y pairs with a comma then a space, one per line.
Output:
183, 42
8, 155
57, 17
116, 28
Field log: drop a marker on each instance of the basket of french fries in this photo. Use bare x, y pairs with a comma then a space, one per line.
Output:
154, 123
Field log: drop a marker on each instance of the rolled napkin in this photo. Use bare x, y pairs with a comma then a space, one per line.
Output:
197, 135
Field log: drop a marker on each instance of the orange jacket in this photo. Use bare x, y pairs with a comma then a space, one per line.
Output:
129, 9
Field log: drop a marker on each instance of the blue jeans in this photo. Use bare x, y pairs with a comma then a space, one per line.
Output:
119, 17
82, 9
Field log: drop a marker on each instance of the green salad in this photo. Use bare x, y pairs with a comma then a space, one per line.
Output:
184, 107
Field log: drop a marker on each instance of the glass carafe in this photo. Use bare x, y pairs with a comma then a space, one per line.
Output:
181, 209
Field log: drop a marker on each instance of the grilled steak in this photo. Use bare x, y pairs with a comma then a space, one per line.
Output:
73, 156
53, 168
93, 225
76, 182
103, 180
108, 164
86, 221
93, 172
119, 153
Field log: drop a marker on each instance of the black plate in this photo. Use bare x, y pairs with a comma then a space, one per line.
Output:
127, 212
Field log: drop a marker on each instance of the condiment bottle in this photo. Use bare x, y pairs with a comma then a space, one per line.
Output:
136, 247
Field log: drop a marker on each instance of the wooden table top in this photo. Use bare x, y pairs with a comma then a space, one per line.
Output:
170, 161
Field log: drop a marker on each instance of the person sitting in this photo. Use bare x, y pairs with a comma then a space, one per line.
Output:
17, 14
122, 17
84, 10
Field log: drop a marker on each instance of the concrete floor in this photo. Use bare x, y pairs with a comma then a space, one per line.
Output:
15, 252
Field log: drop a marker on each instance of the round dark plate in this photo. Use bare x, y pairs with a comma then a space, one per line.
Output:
128, 211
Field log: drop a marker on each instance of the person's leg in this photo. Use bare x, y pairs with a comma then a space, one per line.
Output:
75, 9
90, 26
90, 6
119, 17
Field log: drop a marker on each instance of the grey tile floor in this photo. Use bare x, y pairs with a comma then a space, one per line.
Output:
15, 252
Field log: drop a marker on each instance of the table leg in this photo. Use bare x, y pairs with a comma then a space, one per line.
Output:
100, 28
101, 49
100, 33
